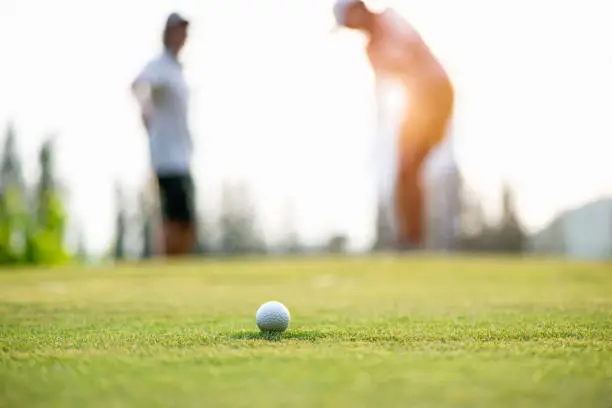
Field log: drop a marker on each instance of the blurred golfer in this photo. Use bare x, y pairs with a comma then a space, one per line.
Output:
162, 94
396, 50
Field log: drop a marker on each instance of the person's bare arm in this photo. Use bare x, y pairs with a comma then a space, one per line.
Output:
143, 92
145, 86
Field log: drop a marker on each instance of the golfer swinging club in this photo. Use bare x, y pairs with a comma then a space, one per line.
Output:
396, 50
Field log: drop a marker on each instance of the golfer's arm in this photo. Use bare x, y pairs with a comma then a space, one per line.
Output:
142, 91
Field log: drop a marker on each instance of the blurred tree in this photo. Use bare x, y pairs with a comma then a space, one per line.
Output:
81, 251
13, 202
121, 221
505, 236
205, 237
385, 238
337, 244
512, 236
444, 190
473, 220
11, 171
47, 226
474, 233
146, 221
31, 231
291, 240
237, 223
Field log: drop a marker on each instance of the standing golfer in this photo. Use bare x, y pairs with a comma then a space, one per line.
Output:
396, 50
162, 94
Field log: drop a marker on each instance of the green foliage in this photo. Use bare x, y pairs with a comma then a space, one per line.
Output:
45, 239
13, 226
32, 227
13, 206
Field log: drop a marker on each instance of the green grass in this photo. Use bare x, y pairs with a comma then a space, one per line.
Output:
375, 332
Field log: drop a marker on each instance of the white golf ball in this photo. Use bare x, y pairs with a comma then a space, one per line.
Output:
272, 316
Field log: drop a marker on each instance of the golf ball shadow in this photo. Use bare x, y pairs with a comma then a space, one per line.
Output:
295, 335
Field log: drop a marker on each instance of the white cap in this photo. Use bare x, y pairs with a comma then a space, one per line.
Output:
340, 9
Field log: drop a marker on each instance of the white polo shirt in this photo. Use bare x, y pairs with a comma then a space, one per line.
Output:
170, 142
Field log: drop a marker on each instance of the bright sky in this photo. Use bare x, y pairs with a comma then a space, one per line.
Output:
288, 108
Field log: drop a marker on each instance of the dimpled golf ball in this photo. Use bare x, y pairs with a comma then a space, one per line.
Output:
272, 317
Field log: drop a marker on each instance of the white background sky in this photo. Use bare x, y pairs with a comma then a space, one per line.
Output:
283, 105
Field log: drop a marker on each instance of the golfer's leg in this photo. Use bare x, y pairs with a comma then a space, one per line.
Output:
167, 195
409, 204
172, 231
423, 129
416, 214
409, 192
432, 132
420, 133
178, 214
179, 238
401, 205
188, 217
401, 193
185, 217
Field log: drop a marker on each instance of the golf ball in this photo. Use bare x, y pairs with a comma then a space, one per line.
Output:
272, 316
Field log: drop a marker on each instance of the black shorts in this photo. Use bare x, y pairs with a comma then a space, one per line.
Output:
176, 195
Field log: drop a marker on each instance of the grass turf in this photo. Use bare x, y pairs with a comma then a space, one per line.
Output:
366, 332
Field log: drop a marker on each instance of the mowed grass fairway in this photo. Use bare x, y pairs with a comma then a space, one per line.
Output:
365, 332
